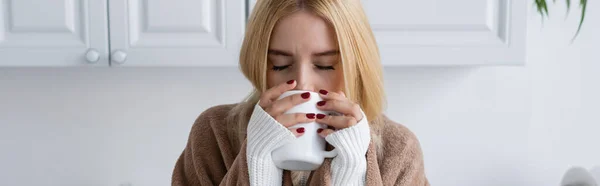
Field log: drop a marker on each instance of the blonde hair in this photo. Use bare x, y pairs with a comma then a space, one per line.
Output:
359, 53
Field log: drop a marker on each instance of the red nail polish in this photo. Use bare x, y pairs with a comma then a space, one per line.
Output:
305, 95
300, 130
290, 81
320, 116
321, 103
319, 130
330, 127
310, 116
324, 92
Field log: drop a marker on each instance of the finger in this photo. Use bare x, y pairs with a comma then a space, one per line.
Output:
298, 131
326, 95
324, 132
273, 93
288, 120
343, 107
338, 122
280, 106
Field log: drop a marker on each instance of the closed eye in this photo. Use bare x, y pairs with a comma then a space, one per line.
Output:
325, 67
280, 68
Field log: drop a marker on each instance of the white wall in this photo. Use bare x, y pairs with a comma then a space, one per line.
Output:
564, 128
494, 126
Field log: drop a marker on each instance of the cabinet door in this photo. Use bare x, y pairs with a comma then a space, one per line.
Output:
442, 32
53, 33
176, 32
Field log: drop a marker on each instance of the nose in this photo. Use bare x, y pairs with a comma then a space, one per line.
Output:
304, 77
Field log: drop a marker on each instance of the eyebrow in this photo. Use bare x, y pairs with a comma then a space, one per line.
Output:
284, 53
279, 52
327, 53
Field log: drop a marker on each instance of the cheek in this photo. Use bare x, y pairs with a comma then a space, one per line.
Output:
333, 81
275, 78
339, 80
270, 80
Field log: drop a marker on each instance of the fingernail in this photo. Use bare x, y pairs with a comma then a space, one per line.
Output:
300, 130
319, 130
305, 95
324, 92
330, 127
310, 116
320, 116
321, 103
290, 81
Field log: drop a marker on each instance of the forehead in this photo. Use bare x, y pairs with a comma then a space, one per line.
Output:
303, 30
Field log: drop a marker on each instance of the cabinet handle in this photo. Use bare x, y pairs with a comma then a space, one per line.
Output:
92, 55
119, 57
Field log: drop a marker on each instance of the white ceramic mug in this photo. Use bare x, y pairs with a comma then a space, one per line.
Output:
306, 152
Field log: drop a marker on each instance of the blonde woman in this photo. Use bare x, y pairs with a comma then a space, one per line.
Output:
324, 46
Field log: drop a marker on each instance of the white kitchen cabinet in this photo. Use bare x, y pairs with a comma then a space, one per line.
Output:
53, 33
139, 33
442, 32
176, 32
209, 32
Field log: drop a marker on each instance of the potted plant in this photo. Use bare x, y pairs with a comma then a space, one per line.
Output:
542, 8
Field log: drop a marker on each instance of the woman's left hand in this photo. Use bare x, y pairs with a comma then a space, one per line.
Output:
350, 112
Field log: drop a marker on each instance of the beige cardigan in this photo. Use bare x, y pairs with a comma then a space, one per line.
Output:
210, 158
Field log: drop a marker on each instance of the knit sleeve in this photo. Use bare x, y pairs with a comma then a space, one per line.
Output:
349, 167
400, 161
265, 134
203, 160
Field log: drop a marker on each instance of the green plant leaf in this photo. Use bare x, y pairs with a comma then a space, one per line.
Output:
542, 8
539, 7
545, 6
583, 5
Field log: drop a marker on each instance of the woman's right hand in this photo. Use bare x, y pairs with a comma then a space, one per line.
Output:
276, 108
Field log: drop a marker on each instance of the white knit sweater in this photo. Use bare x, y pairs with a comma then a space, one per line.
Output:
265, 134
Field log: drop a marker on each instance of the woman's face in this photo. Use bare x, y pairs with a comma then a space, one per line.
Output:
303, 47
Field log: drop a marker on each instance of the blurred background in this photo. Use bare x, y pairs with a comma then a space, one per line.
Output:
496, 95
